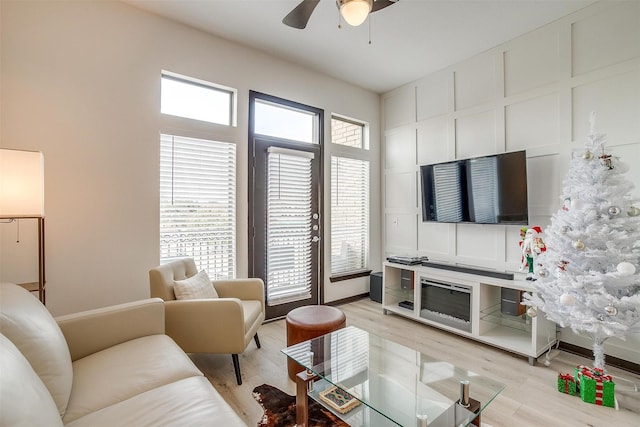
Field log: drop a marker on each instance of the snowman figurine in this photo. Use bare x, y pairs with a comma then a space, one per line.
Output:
531, 246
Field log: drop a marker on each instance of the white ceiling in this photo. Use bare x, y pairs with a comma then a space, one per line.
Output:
409, 39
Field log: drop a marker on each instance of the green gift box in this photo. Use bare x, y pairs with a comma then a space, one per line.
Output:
595, 386
566, 384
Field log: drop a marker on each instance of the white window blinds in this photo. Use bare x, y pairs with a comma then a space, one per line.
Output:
349, 214
197, 203
289, 260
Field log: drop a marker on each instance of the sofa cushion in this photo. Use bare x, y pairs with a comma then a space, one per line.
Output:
195, 287
188, 402
120, 372
32, 329
24, 399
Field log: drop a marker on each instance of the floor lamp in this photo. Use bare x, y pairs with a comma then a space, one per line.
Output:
22, 196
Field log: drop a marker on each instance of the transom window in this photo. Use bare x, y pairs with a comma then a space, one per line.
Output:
196, 99
348, 133
301, 125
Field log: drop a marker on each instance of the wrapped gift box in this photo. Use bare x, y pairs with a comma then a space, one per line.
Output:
566, 384
595, 386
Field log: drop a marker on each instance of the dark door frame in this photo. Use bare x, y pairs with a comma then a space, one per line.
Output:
255, 213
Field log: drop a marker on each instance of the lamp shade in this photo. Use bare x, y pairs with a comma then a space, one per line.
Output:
355, 12
21, 184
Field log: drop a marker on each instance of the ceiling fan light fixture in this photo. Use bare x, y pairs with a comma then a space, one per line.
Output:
355, 12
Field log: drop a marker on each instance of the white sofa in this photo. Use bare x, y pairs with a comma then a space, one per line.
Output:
107, 367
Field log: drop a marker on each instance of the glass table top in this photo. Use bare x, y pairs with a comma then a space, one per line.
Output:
395, 385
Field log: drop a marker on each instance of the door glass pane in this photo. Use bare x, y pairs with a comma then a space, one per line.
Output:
283, 122
289, 251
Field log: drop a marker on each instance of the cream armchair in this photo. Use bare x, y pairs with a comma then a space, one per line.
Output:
223, 325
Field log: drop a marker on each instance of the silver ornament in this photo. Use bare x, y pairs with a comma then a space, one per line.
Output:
633, 211
531, 312
614, 210
543, 272
601, 317
588, 155
565, 229
578, 244
611, 310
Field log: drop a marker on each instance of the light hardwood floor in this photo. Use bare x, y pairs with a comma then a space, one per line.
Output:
530, 397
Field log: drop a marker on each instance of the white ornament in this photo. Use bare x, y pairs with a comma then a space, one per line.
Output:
567, 299
543, 272
578, 244
633, 211
576, 204
531, 312
626, 268
611, 310
588, 155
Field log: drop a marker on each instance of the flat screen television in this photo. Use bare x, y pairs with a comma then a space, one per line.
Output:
484, 190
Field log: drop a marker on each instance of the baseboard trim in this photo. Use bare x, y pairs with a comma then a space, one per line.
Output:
348, 300
609, 360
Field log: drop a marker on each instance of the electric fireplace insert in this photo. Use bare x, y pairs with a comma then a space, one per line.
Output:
446, 303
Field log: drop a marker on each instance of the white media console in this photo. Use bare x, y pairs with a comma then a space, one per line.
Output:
406, 289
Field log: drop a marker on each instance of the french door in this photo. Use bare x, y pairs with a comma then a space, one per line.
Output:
285, 241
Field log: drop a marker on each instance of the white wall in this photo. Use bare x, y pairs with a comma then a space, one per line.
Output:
80, 81
535, 93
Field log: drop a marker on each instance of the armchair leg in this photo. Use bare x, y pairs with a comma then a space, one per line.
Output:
257, 340
236, 367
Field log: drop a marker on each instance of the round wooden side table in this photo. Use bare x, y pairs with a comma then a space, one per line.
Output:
311, 321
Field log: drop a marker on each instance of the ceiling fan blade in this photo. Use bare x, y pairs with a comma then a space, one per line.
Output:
300, 14
381, 4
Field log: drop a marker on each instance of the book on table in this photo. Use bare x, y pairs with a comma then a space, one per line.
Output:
339, 399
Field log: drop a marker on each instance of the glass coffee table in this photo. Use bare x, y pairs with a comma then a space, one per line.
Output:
386, 384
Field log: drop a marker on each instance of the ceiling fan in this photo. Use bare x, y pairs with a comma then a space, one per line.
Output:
354, 12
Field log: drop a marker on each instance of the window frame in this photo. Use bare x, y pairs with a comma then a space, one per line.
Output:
233, 96
186, 127
363, 154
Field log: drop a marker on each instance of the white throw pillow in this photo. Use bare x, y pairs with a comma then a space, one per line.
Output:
195, 287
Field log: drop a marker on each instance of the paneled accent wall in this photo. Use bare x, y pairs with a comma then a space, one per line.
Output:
534, 93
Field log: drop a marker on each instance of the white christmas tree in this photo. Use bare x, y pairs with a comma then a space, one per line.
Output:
589, 276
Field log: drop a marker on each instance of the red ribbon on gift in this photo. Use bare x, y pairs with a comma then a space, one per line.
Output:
595, 373
567, 378
599, 376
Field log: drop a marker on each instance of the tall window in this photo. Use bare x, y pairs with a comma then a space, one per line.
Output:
349, 199
197, 203
198, 180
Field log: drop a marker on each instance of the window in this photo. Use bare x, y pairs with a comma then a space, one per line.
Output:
349, 201
348, 133
301, 125
195, 99
197, 203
